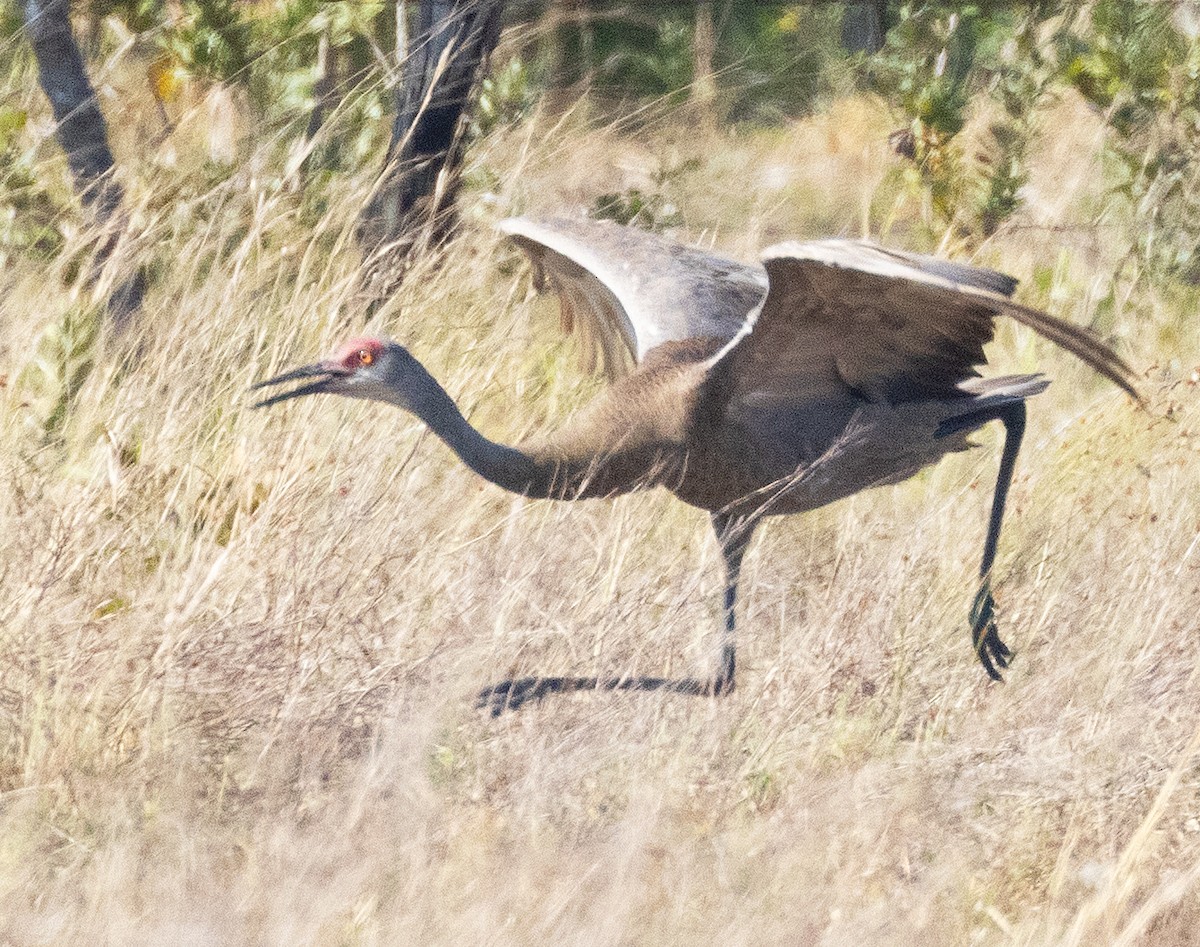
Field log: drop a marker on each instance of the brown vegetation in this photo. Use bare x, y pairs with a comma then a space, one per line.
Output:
238, 650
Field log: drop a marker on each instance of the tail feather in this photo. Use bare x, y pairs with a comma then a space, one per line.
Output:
988, 395
1004, 388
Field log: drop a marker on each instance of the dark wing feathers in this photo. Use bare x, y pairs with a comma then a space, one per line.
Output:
887, 339
883, 325
961, 274
626, 291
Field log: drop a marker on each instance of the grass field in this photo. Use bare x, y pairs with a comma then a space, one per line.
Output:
238, 649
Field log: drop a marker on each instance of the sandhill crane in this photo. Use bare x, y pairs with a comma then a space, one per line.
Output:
746, 391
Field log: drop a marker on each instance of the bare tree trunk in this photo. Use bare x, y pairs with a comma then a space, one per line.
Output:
570, 36
587, 46
704, 48
864, 25
557, 96
83, 135
412, 203
323, 102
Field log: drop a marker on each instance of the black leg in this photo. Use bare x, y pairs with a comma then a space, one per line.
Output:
993, 654
733, 535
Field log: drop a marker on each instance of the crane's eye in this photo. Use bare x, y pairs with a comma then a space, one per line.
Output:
365, 356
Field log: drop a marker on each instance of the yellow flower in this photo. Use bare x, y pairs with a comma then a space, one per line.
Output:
167, 78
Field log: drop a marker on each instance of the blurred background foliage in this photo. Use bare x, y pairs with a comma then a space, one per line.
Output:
316, 80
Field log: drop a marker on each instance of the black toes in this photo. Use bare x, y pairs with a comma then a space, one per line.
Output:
515, 693
512, 694
719, 686
993, 653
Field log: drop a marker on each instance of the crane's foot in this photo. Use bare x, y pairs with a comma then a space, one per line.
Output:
993, 653
515, 693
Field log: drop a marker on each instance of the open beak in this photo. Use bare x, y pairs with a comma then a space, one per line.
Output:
326, 376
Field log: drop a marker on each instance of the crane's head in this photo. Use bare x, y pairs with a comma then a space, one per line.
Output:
375, 369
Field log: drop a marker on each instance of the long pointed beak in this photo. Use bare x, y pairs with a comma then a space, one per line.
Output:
325, 375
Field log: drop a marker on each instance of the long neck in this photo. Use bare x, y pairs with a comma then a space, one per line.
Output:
504, 466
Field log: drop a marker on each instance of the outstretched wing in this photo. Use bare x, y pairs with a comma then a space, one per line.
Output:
627, 291
846, 322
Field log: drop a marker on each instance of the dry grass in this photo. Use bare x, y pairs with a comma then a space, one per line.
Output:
237, 649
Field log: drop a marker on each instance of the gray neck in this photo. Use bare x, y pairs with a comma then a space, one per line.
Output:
504, 466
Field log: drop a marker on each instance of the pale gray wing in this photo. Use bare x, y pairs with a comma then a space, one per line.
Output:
627, 291
847, 322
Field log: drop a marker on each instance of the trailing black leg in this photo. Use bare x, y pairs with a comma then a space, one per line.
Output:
993, 654
733, 535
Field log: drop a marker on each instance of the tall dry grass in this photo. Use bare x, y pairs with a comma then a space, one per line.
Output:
238, 649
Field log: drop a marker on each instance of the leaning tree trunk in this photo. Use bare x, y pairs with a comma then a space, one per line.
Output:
83, 135
412, 203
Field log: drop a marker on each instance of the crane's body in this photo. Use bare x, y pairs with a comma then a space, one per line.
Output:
690, 446
745, 391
